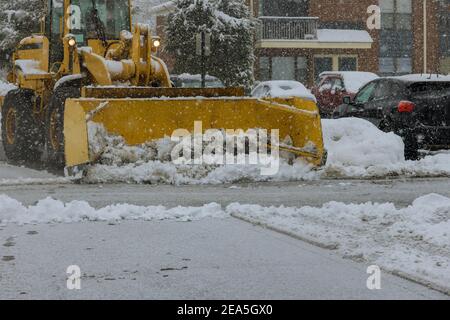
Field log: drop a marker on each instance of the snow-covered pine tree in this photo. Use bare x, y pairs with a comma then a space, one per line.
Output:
231, 28
18, 19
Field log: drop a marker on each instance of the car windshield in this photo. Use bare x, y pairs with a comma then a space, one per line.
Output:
113, 14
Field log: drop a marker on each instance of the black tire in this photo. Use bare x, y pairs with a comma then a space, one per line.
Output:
386, 125
411, 147
22, 134
409, 139
54, 126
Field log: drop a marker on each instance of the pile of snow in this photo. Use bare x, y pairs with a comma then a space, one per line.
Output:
151, 163
357, 142
5, 88
353, 80
16, 175
413, 241
356, 149
54, 211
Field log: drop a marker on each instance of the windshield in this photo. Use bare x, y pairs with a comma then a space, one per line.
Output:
113, 14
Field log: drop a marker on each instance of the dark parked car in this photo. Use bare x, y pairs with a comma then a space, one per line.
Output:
416, 107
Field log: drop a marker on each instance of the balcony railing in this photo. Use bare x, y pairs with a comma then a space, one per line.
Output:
288, 28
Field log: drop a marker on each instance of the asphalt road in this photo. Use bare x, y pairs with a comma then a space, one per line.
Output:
207, 259
211, 258
400, 192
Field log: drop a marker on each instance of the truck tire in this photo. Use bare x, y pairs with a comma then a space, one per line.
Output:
411, 147
22, 133
54, 126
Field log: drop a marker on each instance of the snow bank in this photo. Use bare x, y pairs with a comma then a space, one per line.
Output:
54, 211
357, 149
151, 163
413, 241
5, 88
357, 142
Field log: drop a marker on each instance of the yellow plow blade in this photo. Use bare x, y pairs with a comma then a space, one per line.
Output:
142, 120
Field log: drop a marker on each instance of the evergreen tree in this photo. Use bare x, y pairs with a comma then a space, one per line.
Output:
18, 19
231, 30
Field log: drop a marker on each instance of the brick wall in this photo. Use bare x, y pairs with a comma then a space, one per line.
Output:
433, 55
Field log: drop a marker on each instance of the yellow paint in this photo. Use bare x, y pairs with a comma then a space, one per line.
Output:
142, 120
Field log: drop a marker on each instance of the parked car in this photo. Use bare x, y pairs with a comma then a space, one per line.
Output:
195, 81
282, 89
415, 107
331, 88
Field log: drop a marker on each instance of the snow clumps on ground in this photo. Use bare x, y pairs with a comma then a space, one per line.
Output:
412, 241
356, 149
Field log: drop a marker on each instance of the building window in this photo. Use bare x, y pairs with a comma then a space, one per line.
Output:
264, 68
348, 64
334, 63
283, 68
284, 8
322, 64
396, 43
302, 70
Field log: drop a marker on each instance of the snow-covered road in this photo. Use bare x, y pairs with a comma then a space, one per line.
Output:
207, 259
34, 254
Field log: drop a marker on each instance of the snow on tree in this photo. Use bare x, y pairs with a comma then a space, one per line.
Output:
18, 19
231, 30
140, 10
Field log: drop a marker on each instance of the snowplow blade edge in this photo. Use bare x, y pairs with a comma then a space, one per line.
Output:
142, 120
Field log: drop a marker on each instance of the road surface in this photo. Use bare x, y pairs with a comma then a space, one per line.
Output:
207, 259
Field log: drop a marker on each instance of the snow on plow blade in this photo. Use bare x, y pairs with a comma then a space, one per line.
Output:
139, 120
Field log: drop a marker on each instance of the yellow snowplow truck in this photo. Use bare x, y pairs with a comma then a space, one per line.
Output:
90, 63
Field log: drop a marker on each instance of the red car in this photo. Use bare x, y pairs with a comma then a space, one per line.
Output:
332, 87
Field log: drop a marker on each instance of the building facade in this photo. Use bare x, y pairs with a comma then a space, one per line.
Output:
299, 39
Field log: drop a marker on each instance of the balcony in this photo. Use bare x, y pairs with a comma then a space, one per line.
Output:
288, 28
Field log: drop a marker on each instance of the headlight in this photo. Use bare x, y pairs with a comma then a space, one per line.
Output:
72, 42
156, 43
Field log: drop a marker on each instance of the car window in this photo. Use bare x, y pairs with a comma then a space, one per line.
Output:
319, 80
387, 90
338, 84
326, 85
266, 91
366, 93
381, 91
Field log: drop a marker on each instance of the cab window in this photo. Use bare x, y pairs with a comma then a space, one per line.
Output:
114, 16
